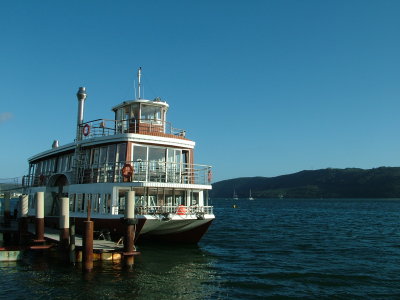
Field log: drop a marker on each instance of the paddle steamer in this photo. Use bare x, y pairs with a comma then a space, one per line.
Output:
136, 151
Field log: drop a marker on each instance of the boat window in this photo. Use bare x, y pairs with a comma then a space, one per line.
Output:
120, 113
79, 201
157, 154
108, 203
121, 152
72, 198
53, 165
139, 153
96, 203
195, 198
67, 163
111, 153
152, 197
150, 113
179, 197
103, 155
134, 112
185, 156
95, 157
59, 163
32, 201
121, 201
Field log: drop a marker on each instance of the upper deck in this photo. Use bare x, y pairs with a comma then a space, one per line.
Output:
104, 127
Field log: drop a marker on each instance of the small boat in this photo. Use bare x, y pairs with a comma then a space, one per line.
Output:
250, 197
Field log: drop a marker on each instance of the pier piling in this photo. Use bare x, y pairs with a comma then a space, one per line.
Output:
64, 223
130, 223
72, 254
39, 218
87, 242
23, 219
87, 251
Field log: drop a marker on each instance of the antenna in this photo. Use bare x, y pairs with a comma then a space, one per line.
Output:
139, 74
134, 89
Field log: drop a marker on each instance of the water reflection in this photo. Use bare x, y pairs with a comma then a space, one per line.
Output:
160, 272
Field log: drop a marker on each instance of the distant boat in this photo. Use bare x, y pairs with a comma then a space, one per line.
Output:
235, 196
250, 197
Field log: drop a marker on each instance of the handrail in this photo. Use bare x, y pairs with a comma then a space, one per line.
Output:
173, 209
142, 171
106, 127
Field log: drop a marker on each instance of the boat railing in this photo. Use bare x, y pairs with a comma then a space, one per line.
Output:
132, 171
147, 171
105, 127
174, 209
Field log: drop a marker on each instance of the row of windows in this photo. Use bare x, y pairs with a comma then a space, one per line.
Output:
146, 112
60, 164
99, 203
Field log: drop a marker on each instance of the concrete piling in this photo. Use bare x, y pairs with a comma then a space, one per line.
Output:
130, 223
39, 217
64, 223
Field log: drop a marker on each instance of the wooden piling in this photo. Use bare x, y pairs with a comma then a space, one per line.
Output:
87, 242
72, 254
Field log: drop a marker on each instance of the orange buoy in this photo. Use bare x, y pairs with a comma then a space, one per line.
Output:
127, 171
181, 210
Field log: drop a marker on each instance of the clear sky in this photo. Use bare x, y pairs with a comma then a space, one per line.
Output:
265, 88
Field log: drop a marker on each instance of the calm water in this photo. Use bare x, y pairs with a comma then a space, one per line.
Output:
265, 248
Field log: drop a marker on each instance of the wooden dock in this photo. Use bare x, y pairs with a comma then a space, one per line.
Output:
102, 249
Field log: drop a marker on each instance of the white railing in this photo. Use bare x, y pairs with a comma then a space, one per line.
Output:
104, 127
138, 171
173, 209
147, 171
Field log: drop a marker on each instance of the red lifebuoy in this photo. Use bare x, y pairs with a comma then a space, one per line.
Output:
127, 171
86, 130
181, 210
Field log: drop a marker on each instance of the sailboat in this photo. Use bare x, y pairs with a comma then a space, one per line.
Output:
235, 196
250, 197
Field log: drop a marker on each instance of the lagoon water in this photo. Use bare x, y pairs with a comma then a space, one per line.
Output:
279, 248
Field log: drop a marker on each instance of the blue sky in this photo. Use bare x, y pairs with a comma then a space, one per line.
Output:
265, 88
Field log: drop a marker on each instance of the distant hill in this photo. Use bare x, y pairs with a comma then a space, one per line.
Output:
383, 182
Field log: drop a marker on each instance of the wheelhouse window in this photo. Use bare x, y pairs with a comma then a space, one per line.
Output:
150, 113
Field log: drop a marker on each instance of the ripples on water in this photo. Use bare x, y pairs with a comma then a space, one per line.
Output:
265, 248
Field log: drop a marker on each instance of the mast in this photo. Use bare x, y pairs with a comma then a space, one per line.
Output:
139, 75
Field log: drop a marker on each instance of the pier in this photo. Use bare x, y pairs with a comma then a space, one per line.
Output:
19, 236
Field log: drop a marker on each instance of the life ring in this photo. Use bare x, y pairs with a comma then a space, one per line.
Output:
209, 176
181, 210
86, 130
127, 171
